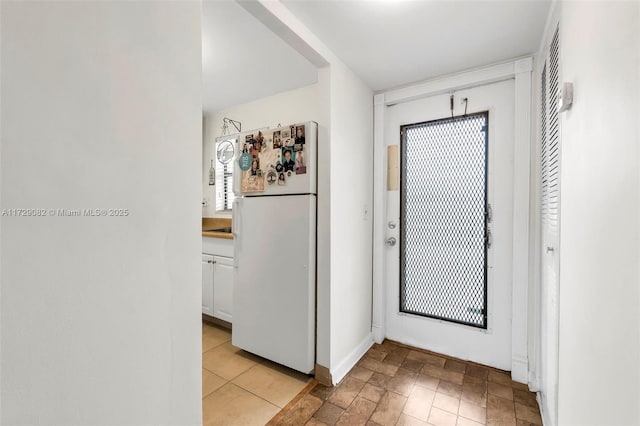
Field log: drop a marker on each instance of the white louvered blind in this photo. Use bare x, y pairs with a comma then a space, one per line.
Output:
224, 185
550, 137
544, 167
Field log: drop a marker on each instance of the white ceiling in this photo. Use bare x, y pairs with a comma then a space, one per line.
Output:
388, 43
392, 43
243, 61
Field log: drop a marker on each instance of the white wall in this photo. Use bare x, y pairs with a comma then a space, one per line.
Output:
100, 316
293, 106
351, 218
323, 261
599, 363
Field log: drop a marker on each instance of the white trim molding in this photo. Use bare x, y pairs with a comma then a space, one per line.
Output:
521, 166
520, 70
380, 212
351, 360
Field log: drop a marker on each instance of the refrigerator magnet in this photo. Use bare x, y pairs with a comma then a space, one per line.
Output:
244, 161
252, 183
281, 179
272, 177
256, 147
289, 159
300, 135
255, 167
277, 142
300, 167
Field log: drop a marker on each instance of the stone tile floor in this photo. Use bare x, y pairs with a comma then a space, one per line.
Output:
239, 388
398, 385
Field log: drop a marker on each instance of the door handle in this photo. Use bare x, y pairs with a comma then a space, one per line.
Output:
235, 217
236, 229
391, 241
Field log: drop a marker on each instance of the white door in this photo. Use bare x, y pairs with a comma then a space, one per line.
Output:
442, 251
223, 287
550, 145
207, 284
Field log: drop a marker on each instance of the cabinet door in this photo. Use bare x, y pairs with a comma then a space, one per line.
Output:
207, 284
223, 287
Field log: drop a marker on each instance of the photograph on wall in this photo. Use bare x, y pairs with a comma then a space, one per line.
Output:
289, 158
286, 134
277, 142
300, 135
281, 179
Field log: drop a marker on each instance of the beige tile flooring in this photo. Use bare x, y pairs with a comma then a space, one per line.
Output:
398, 385
239, 388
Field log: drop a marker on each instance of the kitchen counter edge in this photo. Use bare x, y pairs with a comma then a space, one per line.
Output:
214, 234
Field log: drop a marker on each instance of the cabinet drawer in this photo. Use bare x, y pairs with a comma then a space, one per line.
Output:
217, 246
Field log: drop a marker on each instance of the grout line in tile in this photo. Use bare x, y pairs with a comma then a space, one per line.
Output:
213, 372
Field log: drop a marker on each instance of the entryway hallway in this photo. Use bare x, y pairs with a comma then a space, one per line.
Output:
397, 385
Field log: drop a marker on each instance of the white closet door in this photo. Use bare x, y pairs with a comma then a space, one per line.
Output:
550, 224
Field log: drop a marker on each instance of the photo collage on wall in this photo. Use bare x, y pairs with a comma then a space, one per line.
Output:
272, 157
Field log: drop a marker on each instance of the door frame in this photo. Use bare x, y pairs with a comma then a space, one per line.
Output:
520, 70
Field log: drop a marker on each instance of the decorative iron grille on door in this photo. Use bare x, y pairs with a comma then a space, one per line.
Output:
444, 237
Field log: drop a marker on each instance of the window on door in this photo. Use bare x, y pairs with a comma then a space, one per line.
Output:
444, 216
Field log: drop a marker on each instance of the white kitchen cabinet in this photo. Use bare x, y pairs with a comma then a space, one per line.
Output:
217, 277
207, 283
222, 287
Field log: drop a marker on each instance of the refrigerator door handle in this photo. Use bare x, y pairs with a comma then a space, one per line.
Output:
235, 229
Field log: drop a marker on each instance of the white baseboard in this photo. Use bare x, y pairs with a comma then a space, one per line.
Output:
544, 412
378, 333
520, 369
352, 359
534, 383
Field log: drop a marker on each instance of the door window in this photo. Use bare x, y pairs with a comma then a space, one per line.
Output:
443, 266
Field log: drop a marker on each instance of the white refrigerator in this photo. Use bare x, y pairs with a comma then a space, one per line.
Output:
274, 228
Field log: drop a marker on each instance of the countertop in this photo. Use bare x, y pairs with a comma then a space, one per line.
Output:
216, 222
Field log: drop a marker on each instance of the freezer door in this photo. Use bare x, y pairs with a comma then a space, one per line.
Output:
277, 161
275, 280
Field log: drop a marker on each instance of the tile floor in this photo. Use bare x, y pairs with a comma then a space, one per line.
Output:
239, 388
396, 385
